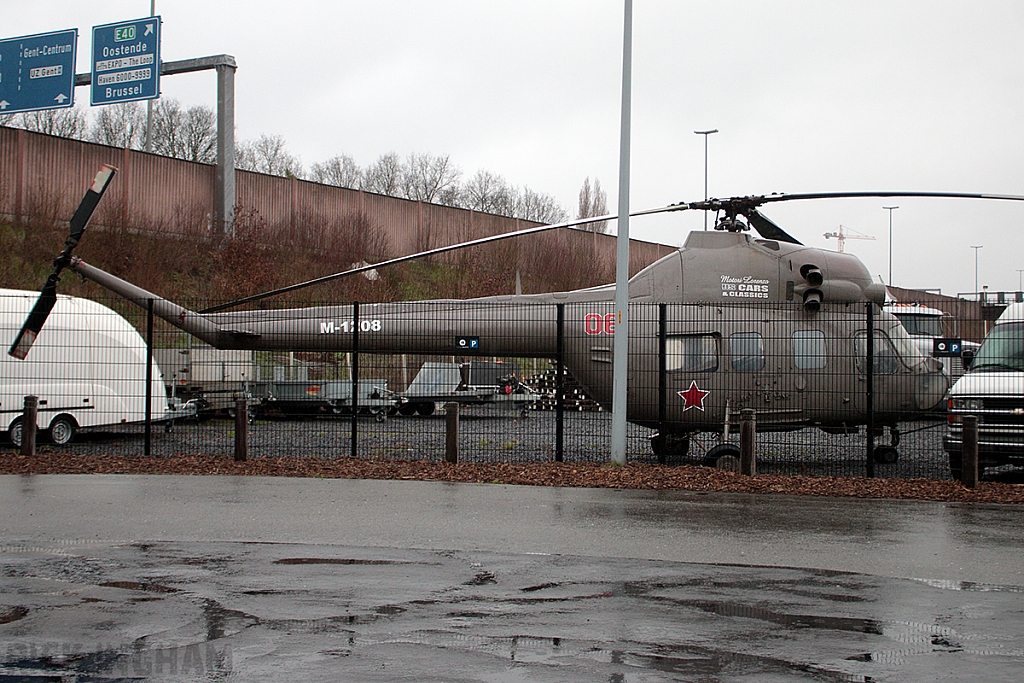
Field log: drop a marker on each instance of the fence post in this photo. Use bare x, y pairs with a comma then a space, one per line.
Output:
451, 432
355, 379
28, 425
748, 441
969, 452
870, 373
147, 448
241, 429
560, 386
662, 377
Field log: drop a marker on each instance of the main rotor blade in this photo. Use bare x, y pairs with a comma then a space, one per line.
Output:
768, 229
742, 204
854, 195
431, 252
48, 296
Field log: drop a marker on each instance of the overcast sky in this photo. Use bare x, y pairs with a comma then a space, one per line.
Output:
811, 96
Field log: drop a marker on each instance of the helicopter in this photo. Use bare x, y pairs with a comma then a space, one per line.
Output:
750, 322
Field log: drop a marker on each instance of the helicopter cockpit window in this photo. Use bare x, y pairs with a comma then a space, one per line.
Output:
746, 350
886, 360
809, 349
691, 353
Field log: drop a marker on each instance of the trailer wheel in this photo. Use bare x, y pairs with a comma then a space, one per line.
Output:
380, 415
62, 430
14, 434
407, 409
425, 408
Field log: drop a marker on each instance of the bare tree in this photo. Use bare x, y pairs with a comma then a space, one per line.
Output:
538, 207
198, 135
340, 171
430, 178
168, 122
385, 175
189, 134
119, 125
593, 202
267, 154
69, 122
489, 193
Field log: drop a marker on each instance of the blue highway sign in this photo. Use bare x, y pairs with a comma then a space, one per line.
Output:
126, 61
38, 72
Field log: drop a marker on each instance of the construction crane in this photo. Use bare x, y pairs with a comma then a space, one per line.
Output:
842, 236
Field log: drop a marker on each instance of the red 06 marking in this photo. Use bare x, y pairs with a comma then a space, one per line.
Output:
595, 323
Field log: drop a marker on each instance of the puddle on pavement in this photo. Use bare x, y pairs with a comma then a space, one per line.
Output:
138, 586
335, 560
9, 614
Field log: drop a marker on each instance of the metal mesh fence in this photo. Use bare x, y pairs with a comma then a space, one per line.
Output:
815, 381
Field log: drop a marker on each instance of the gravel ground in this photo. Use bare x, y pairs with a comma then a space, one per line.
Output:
504, 448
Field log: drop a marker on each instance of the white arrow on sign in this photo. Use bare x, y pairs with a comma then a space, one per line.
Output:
149, 29
61, 97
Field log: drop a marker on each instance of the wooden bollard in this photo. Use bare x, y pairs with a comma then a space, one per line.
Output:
451, 432
241, 429
969, 452
748, 440
28, 425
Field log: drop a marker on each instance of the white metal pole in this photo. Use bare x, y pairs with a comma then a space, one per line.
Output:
620, 358
149, 103
706, 133
889, 209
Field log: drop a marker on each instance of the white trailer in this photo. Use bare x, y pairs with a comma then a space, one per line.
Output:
87, 368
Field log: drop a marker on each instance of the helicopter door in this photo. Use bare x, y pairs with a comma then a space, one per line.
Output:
887, 369
693, 380
755, 375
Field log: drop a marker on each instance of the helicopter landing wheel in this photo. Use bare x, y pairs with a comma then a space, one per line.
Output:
665, 445
724, 456
885, 455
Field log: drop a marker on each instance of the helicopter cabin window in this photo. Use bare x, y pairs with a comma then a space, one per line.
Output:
886, 361
746, 351
809, 349
691, 353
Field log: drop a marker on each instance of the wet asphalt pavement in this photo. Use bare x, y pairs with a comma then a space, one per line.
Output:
251, 579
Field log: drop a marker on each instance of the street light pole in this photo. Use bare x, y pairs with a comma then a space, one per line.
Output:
706, 133
889, 209
976, 270
1020, 280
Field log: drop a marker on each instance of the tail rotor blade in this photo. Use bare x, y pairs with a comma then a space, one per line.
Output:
48, 296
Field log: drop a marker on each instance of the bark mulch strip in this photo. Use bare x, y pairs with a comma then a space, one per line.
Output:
630, 476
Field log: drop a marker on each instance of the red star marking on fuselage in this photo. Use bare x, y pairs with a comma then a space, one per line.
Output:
693, 397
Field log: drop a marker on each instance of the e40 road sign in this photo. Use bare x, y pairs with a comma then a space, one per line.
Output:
126, 61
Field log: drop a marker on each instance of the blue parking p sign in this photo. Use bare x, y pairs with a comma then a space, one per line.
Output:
946, 347
126, 61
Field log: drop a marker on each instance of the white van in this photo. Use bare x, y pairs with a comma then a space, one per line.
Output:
87, 368
993, 390
924, 325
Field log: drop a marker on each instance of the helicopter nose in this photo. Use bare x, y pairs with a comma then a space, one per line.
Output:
930, 388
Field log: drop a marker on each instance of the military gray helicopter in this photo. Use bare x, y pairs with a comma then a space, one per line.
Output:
800, 362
